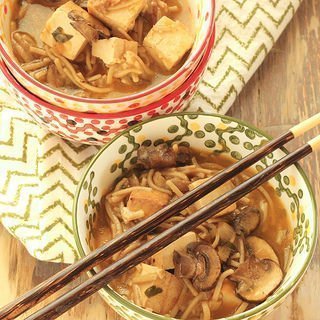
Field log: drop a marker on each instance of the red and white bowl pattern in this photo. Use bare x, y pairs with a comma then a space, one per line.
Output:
95, 128
203, 13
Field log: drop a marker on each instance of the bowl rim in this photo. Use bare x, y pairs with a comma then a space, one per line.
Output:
122, 114
252, 312
144, 93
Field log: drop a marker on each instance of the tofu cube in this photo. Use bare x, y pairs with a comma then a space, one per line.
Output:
148, 201
164, 258
167, 42
117, 14
111, 51
160, 290
213, 195
60, 35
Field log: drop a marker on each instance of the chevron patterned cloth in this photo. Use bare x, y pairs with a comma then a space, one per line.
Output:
39, 172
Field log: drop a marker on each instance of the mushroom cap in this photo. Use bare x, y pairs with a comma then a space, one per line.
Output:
208, 265
257, 279
246, 220
261, 249
185, 265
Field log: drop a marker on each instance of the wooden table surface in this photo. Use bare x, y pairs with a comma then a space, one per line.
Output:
285, 90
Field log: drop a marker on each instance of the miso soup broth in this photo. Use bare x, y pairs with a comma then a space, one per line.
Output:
229, 264
101, 48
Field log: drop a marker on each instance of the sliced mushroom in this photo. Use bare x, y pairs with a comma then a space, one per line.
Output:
201, 264
163, 156
246, 220
185, 265
90, 31
226, 232
257, 279
260, 249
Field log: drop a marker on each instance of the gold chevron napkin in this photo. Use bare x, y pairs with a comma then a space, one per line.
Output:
39, 171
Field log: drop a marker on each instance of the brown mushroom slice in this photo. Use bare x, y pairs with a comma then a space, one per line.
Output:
208, 265
257, 279
185, 265
88, 29
246, 220
260, 249
201, 264
163, 156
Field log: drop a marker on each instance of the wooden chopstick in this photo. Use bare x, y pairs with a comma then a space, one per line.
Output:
78, 294
59, 280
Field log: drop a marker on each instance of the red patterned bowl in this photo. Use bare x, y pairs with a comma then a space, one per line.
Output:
203, 14
98, 128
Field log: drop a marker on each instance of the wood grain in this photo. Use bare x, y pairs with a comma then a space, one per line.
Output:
283, 92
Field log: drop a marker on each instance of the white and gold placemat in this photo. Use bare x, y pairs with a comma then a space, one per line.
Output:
39, 171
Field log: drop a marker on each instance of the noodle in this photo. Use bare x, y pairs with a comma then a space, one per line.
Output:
36, 64
217, 239
113, 218
233, 263
243, 306
94, 78
41, 75
154, 186
206, 313
241, 250
218, 287
38, 51
193, 303
235, 256
191, 288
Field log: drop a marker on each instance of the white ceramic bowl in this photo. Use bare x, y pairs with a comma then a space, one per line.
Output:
209, 133
203, 15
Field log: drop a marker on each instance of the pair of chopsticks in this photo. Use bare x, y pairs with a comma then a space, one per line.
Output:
92, 285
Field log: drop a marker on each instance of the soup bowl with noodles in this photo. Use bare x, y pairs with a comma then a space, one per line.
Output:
240, 264
100, 128
90, 81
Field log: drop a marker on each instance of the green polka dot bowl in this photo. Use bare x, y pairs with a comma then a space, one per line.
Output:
214, 134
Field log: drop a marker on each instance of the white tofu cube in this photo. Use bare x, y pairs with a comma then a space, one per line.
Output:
116, 13
160, 290
111, 51
167, 42
164, 258
60, 35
